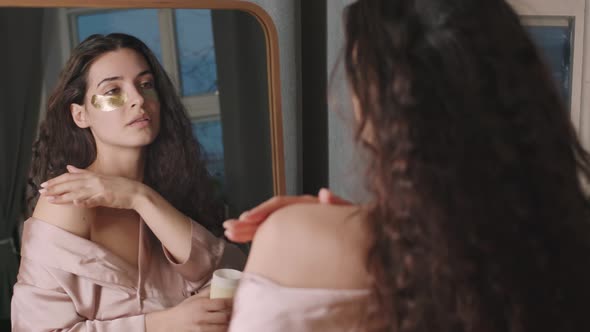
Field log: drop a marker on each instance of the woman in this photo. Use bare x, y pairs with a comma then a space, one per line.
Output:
119, 239
478, 222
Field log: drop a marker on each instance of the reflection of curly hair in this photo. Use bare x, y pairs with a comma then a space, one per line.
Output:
480, 222
174, 164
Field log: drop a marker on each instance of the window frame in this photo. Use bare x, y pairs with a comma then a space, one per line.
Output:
204, 107
545, 13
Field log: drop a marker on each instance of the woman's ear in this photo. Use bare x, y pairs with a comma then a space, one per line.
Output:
79, 115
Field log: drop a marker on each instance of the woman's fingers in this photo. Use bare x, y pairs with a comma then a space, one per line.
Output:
214, 305
243, 229
73, 174
70, 197
74, 169
213, 328
243, 236
236, 227
61, 188
326, 196
262, 211
234, 224
218, 317
90, 202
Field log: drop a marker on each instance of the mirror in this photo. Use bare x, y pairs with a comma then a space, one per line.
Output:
222, 61
222, 57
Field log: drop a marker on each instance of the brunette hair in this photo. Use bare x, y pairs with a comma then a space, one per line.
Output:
480, 221
175, 164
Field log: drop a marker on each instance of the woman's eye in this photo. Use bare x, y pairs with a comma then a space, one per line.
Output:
112, 92
147, 85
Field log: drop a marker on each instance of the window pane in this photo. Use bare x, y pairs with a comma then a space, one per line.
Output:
196, 52
140, 23
556, 44
209, 135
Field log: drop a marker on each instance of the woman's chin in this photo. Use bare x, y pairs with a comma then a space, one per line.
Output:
141, 141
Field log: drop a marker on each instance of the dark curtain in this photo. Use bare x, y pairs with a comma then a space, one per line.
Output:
20, 93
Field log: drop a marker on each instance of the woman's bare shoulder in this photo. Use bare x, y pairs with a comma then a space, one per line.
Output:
312, 246
71, 218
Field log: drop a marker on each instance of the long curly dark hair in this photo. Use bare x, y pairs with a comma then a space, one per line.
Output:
480, 220
175, 164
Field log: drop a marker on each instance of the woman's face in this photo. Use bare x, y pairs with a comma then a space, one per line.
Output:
367, 133
121, 105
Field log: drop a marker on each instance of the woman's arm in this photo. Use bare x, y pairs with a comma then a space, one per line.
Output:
41, 302
191, 249
242, 230
37, 309
89, 189
170, 226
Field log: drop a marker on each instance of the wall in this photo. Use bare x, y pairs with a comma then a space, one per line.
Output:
285, 14
345, 162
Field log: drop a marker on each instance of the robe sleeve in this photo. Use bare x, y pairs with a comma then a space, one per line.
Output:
45, 306
207, 254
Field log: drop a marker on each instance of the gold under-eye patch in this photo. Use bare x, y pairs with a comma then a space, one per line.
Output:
109, 103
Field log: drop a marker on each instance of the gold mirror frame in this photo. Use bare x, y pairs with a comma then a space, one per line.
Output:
272, 54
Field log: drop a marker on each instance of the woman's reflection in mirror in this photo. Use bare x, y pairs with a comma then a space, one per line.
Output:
125, 228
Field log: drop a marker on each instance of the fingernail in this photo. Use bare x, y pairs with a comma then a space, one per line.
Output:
244, 215
42, 191
44, 184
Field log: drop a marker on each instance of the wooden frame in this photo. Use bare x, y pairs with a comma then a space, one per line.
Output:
272, 52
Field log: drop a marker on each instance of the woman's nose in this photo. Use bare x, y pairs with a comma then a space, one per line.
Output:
136, 98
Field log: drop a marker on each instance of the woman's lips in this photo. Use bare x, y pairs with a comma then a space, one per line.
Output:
141, 122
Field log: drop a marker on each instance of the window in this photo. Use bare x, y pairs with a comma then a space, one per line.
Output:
196, 54
554, 38
209, 134
557, 27
182, 40
131, 22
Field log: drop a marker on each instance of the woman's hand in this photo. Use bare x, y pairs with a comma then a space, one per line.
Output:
243, 229
88, 189
195, 314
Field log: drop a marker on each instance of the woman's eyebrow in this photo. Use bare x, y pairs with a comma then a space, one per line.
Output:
109, 79
116, 78
145, 72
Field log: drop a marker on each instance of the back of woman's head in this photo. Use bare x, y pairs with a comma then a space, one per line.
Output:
480, 222
174, 163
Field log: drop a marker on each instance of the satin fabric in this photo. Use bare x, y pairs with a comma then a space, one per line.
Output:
68, 283
262, 305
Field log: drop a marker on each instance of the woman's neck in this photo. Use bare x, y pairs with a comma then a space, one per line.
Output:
126, 163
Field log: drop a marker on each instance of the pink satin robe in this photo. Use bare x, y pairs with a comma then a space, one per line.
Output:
262, 305
68, 283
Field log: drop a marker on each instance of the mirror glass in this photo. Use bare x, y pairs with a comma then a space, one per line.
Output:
217, 59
